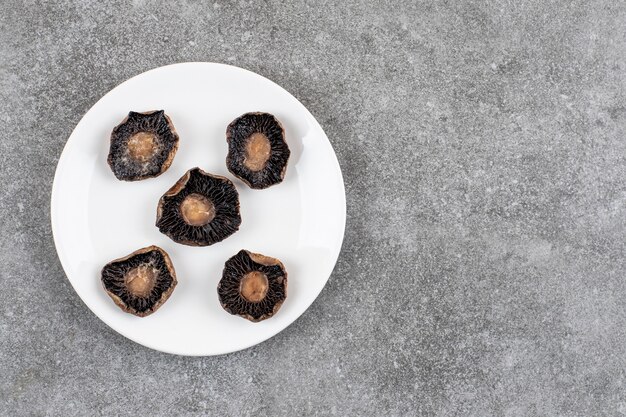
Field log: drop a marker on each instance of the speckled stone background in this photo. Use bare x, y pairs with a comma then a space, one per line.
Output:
483, 148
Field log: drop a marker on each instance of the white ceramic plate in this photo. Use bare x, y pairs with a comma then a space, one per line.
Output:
96, 218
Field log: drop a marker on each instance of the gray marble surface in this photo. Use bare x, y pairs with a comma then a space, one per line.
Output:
483, 148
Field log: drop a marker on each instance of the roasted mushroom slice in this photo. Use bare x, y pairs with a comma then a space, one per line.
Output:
143, 145
200, 209
257, 151
140, 282
253, 286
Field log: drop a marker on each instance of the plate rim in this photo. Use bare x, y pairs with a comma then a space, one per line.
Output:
62, 161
